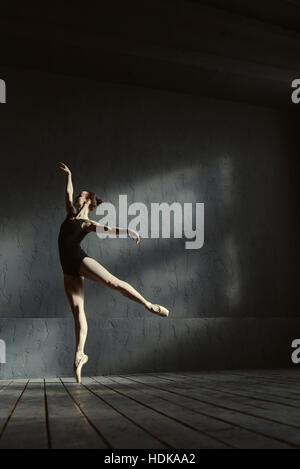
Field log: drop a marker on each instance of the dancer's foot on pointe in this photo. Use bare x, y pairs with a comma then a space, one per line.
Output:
80, 360
157, 309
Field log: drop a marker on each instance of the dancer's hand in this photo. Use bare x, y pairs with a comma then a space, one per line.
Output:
135, 236
64, 168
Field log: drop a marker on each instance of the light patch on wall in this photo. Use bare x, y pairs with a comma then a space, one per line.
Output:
2, 92
167, 186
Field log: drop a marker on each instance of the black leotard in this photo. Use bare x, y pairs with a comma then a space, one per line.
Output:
70, 236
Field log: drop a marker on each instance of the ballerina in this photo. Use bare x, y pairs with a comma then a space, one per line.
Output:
78, 265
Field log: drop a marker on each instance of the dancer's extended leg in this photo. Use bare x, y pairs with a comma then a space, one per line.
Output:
92, 270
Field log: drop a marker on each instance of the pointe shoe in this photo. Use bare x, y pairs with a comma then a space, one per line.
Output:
160, 310
77, 369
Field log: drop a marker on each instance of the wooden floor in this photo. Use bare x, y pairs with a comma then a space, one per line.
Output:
223, 409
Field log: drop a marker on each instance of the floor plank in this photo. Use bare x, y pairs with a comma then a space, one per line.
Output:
117, 430
253, 392
27, 425
262, 407
153, 412
8, 400
68, 427
248, 382
281, 384
230, 433
281, 433
201, 409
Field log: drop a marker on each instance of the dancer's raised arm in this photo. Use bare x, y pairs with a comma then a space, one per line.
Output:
92, 225
69, 189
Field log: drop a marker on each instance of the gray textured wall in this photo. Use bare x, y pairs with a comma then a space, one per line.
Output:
233, 301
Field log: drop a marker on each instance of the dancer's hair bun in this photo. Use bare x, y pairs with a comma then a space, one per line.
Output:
95, 201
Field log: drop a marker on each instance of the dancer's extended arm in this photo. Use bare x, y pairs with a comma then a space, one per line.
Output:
69, 189
92, 225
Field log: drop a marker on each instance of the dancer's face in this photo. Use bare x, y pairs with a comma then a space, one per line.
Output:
81, 199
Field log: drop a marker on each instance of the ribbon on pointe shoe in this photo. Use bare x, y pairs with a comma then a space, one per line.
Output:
77, 369
80, 360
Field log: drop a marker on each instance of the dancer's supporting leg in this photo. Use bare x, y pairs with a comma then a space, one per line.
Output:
92, 270
75, 293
